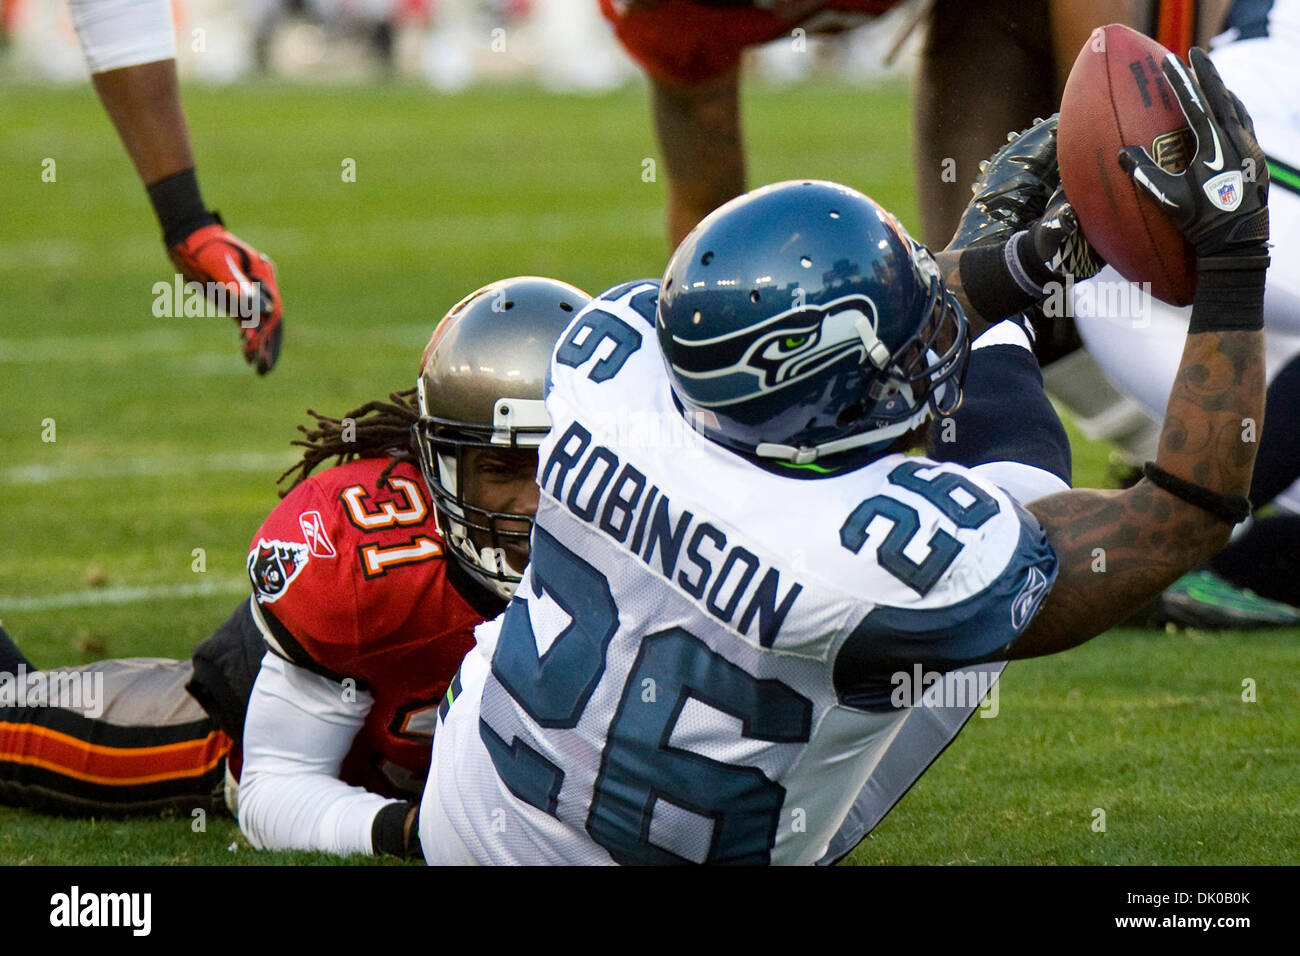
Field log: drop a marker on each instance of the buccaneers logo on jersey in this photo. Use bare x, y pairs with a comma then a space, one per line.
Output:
273, 565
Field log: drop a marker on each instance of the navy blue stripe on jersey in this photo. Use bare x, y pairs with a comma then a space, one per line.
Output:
1004, 416
453, 691
917, 746
892, 641
1249, 18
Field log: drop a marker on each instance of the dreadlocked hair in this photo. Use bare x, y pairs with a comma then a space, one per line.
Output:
375, 430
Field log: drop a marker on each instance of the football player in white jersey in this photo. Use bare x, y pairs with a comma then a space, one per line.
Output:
732, 560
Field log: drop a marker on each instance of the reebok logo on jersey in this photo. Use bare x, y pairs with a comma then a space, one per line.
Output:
1224, 190
273, 565
313, 532
1027, 601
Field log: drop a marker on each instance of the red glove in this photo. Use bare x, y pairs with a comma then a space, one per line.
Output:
213, 255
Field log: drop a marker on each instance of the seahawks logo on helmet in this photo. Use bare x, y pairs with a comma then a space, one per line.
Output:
787, 348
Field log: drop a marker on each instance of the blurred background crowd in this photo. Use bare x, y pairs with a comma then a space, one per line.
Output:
564, 45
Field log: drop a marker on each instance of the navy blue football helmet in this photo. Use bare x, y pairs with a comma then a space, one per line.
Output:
800, 321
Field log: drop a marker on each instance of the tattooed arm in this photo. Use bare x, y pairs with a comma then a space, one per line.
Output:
1119, 549
1146, 537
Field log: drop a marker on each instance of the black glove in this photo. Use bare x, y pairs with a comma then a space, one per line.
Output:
396, 830
1056, 241
1013, 187
1020, 234
1220, 202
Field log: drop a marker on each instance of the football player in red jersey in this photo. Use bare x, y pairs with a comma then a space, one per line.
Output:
987, 66
690, 51
368, 579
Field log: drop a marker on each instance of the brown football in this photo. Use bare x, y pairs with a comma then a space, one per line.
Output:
1116, 95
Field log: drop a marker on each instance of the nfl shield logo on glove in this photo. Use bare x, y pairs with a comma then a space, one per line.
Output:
1224, 190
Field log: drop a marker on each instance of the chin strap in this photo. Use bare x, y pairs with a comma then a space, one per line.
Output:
807, 454
877, 351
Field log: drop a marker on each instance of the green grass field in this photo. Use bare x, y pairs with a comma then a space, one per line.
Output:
166, 442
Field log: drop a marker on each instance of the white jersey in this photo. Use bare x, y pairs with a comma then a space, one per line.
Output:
703, 662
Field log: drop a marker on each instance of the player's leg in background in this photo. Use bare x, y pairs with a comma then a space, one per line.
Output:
1264, 558
109, 738
129, 48
989, 68
986, 68
699, 132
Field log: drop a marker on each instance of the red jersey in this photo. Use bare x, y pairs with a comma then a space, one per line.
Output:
353, 582
690, 41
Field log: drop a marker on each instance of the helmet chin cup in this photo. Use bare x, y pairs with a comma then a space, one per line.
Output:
505, 578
